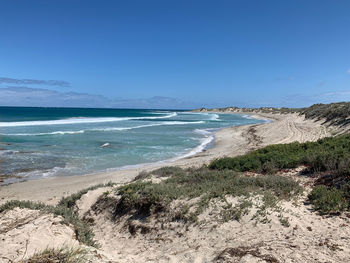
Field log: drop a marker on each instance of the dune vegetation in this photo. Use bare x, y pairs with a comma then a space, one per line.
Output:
62, 255
328, 158
143, 198
332, 114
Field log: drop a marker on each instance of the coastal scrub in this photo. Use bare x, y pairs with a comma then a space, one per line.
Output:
143, 198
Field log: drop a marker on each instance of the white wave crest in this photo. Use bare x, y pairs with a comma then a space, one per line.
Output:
165, 123
214, 117
81, 120
249, 117
44, 133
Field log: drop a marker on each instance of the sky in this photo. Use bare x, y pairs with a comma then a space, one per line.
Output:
182, 54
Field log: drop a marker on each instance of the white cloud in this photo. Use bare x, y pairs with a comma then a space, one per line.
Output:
24, 96
348, 71
60, 83
337, 93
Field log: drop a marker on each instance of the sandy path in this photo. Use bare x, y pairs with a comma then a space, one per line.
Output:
231, 141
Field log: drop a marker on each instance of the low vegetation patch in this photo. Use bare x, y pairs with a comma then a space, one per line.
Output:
330, 200
161, 172
239, 252
142, 198
329, 158
63, 255
333, 113
329, 154
236, 212
70, 201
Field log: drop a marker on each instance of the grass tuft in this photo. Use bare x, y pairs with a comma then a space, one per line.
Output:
62, 255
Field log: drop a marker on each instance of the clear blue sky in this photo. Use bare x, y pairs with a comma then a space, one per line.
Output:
246, 52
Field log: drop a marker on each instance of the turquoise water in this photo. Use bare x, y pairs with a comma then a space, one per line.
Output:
42, 142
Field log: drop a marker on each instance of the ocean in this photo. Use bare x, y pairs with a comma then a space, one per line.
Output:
42, 142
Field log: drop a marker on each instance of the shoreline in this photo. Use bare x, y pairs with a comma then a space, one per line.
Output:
230, 141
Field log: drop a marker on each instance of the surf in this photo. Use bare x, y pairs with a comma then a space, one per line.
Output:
82, 120
166, 123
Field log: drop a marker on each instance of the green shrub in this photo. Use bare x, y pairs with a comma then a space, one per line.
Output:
328, 154
328, 200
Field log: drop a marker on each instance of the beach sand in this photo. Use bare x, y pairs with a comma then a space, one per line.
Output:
231, 141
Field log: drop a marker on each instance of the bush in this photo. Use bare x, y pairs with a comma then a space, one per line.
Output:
267, 159
328, 200
328, 154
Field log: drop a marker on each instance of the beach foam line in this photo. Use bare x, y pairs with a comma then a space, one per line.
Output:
165, 123
208, 138
248, 117
81, 120
213, 116
252, 117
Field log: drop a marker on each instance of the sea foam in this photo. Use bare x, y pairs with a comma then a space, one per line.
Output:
164, 123
81, 120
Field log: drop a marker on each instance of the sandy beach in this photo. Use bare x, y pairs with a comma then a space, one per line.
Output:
231, 141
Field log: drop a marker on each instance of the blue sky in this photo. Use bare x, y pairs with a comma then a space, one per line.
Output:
210, 53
